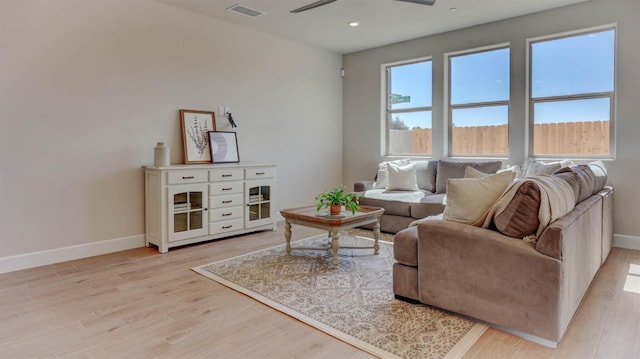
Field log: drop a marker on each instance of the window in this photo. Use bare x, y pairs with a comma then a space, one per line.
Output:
479, 103
408, 104
572, 95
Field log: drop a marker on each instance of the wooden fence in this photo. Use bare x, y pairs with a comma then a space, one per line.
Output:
579, 138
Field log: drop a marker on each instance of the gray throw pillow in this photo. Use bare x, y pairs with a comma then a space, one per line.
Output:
426, 175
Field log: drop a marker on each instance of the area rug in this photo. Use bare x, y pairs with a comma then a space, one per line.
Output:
353, 302
366, 233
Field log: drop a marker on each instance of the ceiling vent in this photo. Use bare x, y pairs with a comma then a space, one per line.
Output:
241, 9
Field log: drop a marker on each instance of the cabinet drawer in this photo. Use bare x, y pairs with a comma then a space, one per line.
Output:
225, 226
222, 188
260, 172
226, 174
225, 201
225, 214
176, 177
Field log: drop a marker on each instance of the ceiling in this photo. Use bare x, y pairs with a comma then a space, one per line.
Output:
382, 22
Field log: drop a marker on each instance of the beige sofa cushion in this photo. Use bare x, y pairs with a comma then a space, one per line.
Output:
450, 169
469, 199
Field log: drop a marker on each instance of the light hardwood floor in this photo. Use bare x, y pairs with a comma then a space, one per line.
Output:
141, 304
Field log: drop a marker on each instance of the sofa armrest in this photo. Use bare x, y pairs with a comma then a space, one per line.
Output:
362, 186
489, 276
551, 241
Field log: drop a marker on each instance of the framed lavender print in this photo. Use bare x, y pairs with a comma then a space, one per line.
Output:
195, 135
224, 147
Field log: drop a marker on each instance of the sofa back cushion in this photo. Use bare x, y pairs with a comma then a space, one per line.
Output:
587, 181
571, 178
592, 177
600, 173
451, 169
426, 175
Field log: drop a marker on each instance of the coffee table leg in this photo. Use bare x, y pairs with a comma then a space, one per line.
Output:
334, 246
287, 236
376, 236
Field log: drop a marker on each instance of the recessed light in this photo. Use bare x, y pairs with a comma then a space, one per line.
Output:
354, 23
453, 9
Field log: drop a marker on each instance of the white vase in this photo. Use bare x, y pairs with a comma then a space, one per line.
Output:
161, 155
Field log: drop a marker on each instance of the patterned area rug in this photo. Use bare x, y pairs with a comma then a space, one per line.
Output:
353, 302
366, 233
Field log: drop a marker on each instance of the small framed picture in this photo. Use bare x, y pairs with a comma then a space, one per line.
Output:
224, 147
195, 139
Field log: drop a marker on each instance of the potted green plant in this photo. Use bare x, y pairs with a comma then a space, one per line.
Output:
335, 199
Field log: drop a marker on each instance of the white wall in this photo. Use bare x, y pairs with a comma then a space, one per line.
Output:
362, 99
89, 86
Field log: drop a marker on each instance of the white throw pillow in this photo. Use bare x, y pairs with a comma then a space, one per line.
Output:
533, 167
402, 178
469, 199
382, 178
471, 172
598, 166
517, 171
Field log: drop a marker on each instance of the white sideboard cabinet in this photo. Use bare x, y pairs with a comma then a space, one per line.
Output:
187, 204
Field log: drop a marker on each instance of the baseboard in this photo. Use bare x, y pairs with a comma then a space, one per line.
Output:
57, 255
530, 337
628, 242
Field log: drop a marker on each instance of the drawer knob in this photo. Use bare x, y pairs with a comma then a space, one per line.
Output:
227, 189
229, 201
226, 214
188, 177
259, 173
227, 175
227, 227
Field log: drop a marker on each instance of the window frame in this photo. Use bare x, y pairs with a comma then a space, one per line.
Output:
572, 97
388, 111
451, 107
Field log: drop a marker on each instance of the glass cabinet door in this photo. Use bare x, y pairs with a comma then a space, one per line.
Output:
187, 208
258, 200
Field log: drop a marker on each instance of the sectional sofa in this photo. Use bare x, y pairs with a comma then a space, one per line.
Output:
406, 198
525, 263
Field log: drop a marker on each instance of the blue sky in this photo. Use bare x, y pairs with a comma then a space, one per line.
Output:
572, 65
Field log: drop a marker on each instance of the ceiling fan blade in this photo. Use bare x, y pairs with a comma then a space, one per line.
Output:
312, 6
421, 2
